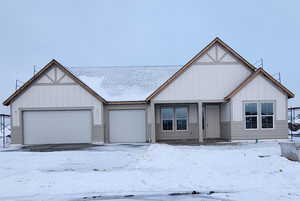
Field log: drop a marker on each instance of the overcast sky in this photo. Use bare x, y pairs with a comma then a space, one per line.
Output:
121, 32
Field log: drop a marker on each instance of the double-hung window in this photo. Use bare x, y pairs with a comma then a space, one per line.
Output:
267, 115
167, 116
251, 115
174, 117
181, 115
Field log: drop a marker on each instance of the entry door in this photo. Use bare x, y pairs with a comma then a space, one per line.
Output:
127, 126
212, 129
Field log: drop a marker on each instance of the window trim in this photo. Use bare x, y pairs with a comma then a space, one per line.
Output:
273, 115
161, 119
174, 123
187, 118
257, 116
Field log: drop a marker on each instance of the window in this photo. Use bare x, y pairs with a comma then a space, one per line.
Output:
267, 115
251, 115
181, 114
167, 116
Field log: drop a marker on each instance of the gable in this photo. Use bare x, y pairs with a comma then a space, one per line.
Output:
258, 89
217, 55
55, 76
260, 72
211, 77
52, 74
205, 82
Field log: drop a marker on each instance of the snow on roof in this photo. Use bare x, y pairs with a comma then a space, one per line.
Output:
124, 83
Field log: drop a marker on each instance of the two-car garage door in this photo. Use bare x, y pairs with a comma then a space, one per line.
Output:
127, 126
57, 126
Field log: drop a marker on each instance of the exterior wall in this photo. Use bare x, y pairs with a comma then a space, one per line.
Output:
259, 89
108, 108
210, 78
193, 125
50, 92
226, 121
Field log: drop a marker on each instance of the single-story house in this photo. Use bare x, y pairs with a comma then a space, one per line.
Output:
215, 95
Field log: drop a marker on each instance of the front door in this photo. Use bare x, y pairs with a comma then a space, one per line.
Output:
212, 121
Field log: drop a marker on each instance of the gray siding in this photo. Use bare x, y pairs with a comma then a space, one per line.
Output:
16, 135
193, 125
238, 132
226, 130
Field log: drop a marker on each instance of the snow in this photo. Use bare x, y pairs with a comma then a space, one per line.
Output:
124, 83
243, 172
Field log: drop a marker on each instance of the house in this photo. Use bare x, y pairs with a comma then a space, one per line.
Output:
216, 95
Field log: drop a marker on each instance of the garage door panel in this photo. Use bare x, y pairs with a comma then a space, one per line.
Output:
127, 126
57, 127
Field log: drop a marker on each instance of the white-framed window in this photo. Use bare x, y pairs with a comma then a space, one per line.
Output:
267, 115
181, 116
174, 118
251, 115
167, 116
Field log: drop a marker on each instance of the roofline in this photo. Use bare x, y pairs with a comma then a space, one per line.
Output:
44, 70
125, 102
195, 58
252, 76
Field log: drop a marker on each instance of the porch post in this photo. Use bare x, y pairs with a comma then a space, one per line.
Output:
152, 118
200, 121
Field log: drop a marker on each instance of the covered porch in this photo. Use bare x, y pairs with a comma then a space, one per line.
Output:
189, 122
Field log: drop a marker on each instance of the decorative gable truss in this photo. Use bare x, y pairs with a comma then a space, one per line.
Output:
55, 76
217, 55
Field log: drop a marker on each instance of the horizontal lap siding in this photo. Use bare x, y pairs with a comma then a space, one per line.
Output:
279, 132
193, 126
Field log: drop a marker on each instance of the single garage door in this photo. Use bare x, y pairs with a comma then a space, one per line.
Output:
57, 127
127, 126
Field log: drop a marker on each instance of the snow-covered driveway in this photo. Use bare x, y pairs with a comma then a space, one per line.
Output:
242, 172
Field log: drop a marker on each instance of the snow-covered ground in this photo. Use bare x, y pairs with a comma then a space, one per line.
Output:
243, 172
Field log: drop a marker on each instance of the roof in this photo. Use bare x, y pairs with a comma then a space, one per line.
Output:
259, 71
124, 83
45, 69
195, 58
137, 84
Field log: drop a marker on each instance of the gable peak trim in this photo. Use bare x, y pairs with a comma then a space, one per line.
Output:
259, 71
45, 69
218, 41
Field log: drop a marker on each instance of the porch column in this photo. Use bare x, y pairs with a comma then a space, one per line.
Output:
200, 121
152, 118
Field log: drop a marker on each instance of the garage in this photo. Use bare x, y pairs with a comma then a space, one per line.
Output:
57, 126
127, 126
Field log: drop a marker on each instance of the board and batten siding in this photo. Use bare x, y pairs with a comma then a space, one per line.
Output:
66, 94
207, 79
259, 89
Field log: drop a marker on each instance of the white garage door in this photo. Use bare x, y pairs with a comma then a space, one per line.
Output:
127, 126
57, 127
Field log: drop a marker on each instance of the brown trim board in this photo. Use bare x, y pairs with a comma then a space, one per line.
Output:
195, 58
44, 70
252, 76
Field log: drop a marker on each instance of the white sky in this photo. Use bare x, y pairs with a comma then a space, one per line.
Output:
122, 32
